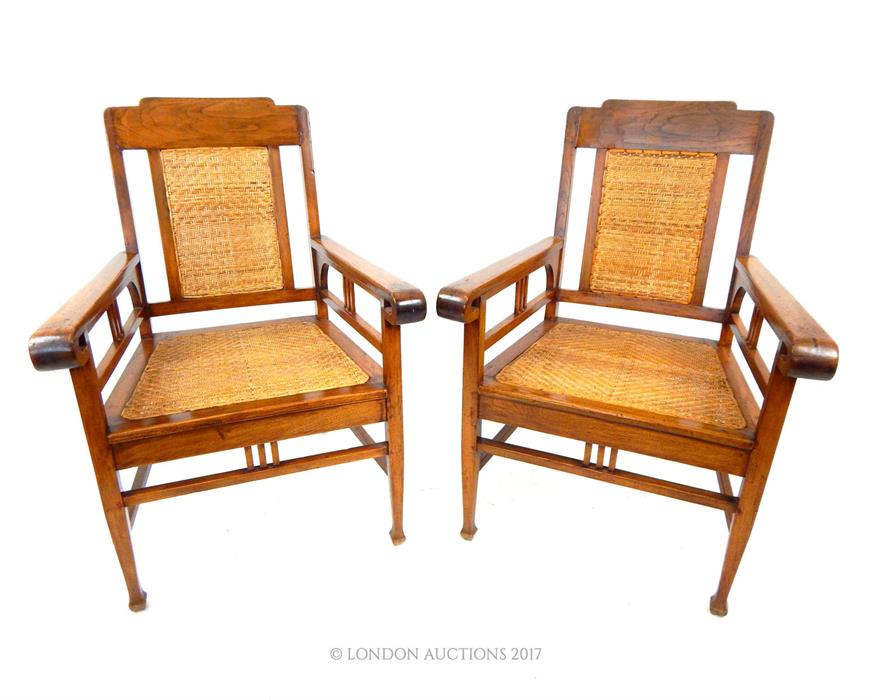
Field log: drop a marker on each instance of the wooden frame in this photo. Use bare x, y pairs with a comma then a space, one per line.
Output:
116, 443
805, 350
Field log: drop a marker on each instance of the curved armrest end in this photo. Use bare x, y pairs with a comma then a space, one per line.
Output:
409, 307
403, 303
50, 352
451, 304
62, 341
809, 351
459, 300
813, 358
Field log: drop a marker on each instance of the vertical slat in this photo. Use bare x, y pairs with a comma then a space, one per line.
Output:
601, 456
281, 213
261, 454
711, 224
165, 224
274, 446
116, 327
249, 457
521, 294
587, 450
596, 191
613, 459
754, 328
348, 295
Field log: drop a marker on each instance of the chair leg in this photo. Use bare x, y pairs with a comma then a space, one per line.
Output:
119, 530
395, 475
777, 398
94, 423
470, 431
750, 495
394, 428
470, 459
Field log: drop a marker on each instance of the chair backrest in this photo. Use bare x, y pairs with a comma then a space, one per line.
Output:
217, 178
658, 179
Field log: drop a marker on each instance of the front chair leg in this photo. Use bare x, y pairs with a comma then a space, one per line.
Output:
470, 431
778, 393
93, 421
119, 530
395, 475
742, 522
470, 460
394, 428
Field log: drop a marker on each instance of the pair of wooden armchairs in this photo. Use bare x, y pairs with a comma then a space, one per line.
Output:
659, 175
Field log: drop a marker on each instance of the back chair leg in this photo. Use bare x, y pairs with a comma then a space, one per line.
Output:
394, 381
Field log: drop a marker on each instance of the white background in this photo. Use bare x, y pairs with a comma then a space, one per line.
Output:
437, 132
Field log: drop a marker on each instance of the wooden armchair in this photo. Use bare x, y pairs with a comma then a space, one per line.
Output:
218, 188
659, 175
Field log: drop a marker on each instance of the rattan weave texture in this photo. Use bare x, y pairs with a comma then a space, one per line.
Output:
223, 220
652, 215
669, 376
228, 366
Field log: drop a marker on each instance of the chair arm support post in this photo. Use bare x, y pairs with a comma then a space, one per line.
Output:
403, 303
808, 350
460, 301
61, 342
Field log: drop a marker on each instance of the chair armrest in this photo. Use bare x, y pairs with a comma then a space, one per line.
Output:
404, 303
61, 342
811, 352
459, 300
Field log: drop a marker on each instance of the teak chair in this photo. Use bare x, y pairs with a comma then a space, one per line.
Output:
217, 177
658, 178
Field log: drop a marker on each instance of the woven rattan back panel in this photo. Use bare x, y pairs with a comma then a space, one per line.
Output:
651, 223
222, 215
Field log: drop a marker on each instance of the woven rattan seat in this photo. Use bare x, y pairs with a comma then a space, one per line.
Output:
207, 368
666, 375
